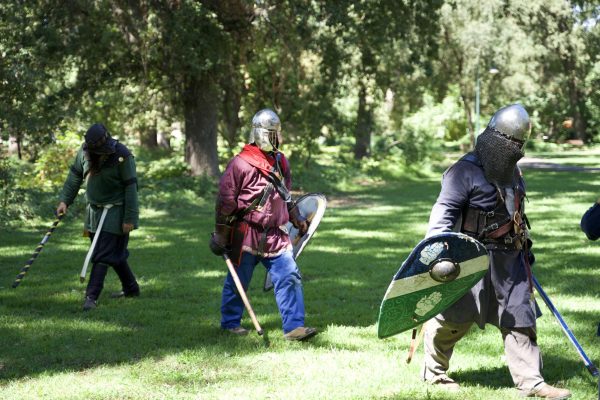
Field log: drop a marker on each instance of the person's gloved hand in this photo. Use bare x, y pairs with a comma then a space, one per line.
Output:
220, 239
303, 227
298, 220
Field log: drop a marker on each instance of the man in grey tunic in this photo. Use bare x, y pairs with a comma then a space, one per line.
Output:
483, 195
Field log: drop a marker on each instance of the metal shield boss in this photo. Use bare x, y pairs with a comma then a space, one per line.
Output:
438, 272
311, 206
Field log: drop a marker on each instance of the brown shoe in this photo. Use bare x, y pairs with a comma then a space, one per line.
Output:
545, 391
300, 333
238, 330
444, 382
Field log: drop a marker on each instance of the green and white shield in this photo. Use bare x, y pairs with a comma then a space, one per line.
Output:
438, 272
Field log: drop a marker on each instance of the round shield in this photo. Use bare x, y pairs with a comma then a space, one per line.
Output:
312, 207
438, 272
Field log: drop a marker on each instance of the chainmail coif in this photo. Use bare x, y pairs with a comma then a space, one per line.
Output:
499, 157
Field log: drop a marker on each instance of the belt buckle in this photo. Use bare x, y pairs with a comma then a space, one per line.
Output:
508, 240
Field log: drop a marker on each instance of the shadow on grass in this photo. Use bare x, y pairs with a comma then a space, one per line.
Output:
360, 245
555, 369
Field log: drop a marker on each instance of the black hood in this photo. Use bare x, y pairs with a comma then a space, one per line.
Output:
99, 141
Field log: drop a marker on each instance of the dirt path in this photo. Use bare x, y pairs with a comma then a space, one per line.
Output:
540, 163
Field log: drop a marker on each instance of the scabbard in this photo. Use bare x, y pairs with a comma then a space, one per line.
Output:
94, 241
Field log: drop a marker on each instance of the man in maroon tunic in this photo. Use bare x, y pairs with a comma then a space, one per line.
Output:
253, 206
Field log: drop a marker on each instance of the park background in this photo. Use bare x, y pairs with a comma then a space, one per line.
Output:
376, 99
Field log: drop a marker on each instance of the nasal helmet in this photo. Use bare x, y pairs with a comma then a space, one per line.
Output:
266, 130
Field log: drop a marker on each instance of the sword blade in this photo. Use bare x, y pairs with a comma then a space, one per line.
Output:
586, 360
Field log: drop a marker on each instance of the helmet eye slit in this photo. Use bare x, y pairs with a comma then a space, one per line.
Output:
513, 139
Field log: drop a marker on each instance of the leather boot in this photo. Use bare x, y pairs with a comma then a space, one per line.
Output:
446, 383
300, 333
238, 330
89, 304
545, 391
118, 295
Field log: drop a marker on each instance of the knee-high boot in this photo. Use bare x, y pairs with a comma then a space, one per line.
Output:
128, 281
96, 282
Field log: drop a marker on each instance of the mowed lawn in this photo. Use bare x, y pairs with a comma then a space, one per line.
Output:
167, 344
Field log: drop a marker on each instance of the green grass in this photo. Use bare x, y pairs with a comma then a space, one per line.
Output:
167, 344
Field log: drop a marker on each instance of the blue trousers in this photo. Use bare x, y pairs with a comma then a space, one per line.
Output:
287, 284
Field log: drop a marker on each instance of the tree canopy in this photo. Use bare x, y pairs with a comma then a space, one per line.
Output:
356, 72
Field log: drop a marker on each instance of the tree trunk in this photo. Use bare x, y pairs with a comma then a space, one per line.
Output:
364, 124
148, 137
14, 145
470, 122
232, 102
164, 140
200, 112
577, 109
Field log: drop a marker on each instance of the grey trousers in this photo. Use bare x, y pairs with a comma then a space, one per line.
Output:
522, 353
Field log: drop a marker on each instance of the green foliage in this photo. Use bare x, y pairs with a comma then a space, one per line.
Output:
169, 193
423, 132
165, 180
52, 166
332, 70
20, 202
29, 191
163, 168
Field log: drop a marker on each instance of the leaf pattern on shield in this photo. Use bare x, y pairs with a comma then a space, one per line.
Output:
427, 303
431, 252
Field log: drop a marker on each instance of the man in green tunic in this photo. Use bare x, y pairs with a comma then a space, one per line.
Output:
108, 168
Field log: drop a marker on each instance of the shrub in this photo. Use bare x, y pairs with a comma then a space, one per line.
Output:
18, 203
53, 164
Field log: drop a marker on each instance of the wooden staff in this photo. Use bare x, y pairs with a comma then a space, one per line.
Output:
37, 251
414, 342
242, 293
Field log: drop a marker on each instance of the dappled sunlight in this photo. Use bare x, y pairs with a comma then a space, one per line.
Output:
168, 342
209, 274
352, 233
346, 282
151, 213
42, 326
99, 382
565, 303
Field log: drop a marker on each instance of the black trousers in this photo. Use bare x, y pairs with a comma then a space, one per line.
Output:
111, 250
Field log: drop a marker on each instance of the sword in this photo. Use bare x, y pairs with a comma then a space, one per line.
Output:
37, 251
588, 363
94, 241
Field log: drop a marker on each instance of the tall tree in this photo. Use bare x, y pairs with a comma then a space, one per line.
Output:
369, 31
561, 27
185, 49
